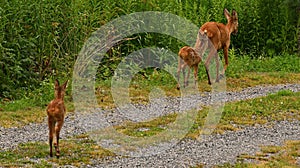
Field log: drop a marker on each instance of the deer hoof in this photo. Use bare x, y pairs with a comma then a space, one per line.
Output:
222, 76
186, 84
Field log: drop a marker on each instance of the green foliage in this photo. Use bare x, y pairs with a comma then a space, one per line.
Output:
40, 40
280, 63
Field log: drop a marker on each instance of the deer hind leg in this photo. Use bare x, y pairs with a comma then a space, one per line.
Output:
207, 63
226, 61
57, 132
51, 126
217, 68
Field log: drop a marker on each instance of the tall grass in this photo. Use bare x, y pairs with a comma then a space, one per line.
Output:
40, 40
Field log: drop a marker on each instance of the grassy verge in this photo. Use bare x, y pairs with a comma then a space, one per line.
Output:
78, 151
271, 156
283, 105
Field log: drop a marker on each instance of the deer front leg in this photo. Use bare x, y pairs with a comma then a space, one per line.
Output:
178, 77
195, 76
178, 72
181, 67
186, 79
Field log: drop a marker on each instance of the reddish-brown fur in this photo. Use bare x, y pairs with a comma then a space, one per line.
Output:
219, 35
56, 112
187, 56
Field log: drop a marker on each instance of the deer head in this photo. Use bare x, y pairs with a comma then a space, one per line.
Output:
232, 21
60, 90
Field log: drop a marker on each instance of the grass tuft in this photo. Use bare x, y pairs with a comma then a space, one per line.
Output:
76, 152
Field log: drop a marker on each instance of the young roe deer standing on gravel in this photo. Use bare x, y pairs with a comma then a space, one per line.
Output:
219, 35
56, 112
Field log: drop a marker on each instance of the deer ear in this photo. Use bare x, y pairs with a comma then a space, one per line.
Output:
227, 14
56, 83
234, 13
65, 84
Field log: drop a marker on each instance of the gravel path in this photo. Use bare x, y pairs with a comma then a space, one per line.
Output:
211, 150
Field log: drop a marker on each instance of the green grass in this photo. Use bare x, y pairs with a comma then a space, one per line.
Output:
150, 128
271, 156
242, 72
283, 105
77, 152
278, 106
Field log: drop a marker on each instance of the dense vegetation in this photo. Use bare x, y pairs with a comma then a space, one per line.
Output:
40, 40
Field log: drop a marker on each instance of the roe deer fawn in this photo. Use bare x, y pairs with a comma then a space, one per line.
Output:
219, 35
187, 56
56, 112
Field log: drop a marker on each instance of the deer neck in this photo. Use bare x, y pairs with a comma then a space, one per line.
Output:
59, 96
229, 28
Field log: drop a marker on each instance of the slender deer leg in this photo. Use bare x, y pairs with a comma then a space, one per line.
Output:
183, 73
207, 72
181, 67
178, 82
178, 72
207, 63
217, 67
51, 131
195, 75
226, 60
57, 131
186, 80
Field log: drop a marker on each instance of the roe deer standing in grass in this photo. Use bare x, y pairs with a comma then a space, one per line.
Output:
219, 35
187, 56
56, 112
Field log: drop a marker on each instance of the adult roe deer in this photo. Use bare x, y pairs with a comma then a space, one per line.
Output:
219, 35
56, 112
187, 56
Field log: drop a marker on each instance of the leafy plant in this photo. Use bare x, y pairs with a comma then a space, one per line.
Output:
40, 41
